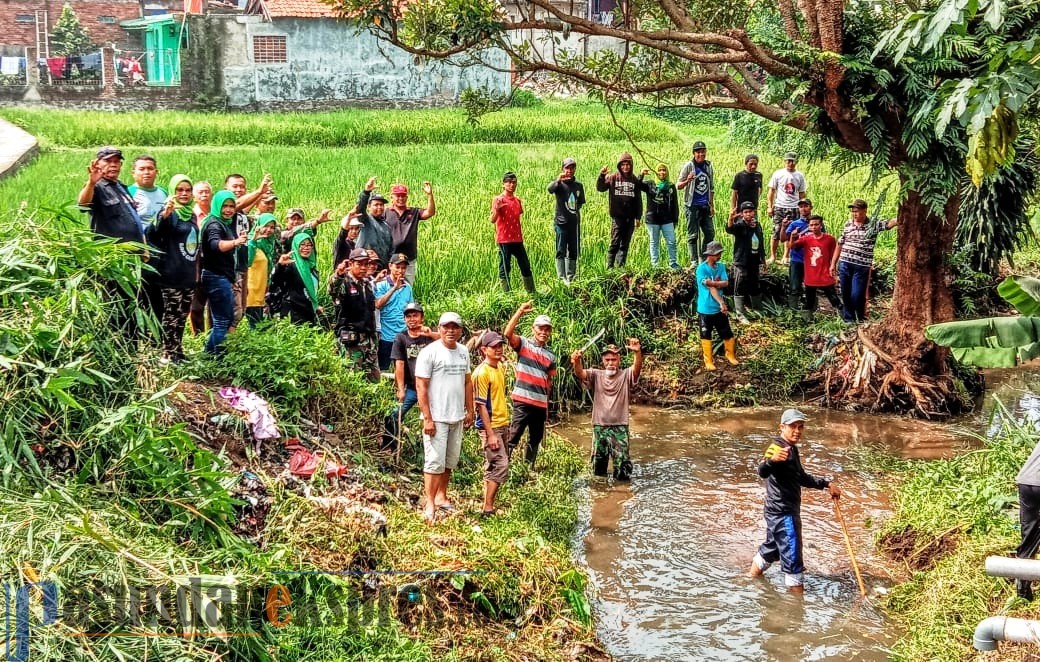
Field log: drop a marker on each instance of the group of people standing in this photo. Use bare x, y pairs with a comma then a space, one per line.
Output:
207, 252
226, 253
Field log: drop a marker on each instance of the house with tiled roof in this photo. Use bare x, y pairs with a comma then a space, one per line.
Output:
300, 53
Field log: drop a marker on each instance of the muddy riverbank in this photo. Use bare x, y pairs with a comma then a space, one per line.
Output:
668, 554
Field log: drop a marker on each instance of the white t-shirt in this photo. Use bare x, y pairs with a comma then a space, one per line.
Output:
788, 186
447, 370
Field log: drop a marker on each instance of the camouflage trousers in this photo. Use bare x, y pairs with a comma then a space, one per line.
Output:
610, 442
363, 354
176, 305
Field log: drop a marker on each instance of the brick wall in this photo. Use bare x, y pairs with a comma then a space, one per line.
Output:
88, 11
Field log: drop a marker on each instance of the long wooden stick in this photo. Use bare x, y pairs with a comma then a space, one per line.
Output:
848, 546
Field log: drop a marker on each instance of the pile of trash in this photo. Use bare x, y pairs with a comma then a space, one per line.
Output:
242, 426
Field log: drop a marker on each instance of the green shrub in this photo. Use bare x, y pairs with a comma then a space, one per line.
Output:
299, 370
525, 99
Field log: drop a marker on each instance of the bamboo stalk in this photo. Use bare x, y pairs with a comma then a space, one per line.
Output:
848, 546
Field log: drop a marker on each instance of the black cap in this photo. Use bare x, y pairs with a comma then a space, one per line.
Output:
510, 176
858, 204
358, 255
805, 201
377, 197
399, 258
699, 145
109, 151
413, 307
747, 205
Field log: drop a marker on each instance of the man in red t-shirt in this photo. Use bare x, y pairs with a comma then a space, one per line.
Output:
505, 214
818, 247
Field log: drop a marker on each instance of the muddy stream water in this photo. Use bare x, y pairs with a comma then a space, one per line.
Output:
668, 554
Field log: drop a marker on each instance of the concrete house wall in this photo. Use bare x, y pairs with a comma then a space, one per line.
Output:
329, 64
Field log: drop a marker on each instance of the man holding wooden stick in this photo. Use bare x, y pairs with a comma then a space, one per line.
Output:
785, 479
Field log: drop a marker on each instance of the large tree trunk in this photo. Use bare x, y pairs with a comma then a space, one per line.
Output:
908, 372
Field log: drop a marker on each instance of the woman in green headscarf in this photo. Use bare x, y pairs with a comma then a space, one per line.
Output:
263, 256
219, 268
662, 214
176, 237
294, 285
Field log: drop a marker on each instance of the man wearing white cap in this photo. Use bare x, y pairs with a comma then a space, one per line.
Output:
535, 368
446, 401
785, 479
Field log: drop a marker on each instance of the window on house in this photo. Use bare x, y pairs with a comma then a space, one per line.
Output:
269, 48
24, 18
106, 19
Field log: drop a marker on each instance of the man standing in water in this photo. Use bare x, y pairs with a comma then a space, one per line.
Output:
785, 479
610, 388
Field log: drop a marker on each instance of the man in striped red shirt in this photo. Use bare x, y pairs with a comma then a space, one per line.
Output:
535, 368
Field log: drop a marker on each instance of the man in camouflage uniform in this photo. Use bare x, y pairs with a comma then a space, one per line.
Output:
610, 387
356, 312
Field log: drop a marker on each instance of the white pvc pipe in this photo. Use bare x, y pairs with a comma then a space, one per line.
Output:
1002, 628
1002, 566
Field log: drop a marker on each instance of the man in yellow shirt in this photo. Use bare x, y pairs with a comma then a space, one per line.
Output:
489, 391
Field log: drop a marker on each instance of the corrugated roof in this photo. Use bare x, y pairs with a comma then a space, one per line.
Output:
145, 21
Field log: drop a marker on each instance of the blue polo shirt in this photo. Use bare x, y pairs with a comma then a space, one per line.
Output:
391, 316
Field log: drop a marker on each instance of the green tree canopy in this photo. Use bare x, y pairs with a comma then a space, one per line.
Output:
877, 79
68, 36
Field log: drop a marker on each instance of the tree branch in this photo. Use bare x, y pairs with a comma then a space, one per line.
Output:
789, 21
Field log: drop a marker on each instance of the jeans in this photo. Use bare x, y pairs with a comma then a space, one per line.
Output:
568, 241
222, 305
796, 271
668, 230
699, 224
853, 279
383, 354
391, 429
620, 238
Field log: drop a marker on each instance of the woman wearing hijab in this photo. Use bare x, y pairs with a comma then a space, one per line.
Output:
294, 285
176, 236
662, 213
262, 259
218, 266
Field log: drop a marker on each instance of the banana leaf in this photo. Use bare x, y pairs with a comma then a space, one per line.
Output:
996, 342
1022, 292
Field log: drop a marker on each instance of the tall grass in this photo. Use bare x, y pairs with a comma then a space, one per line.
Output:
457, 254
549, 123
968, 499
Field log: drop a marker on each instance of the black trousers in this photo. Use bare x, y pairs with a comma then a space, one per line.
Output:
530, 418
828, 291
620, 237
506, 254
1029, 519
746, 279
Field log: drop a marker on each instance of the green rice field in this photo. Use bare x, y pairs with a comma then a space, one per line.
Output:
457, 252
